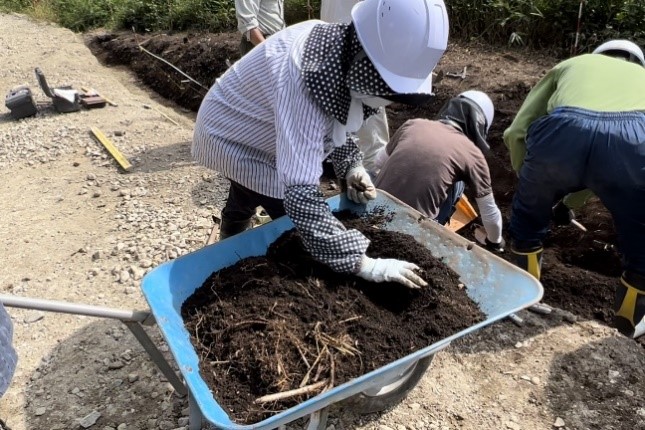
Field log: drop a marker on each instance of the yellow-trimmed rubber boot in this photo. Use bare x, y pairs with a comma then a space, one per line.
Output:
629, 305
529, 260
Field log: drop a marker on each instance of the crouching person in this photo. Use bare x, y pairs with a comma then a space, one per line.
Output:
583, 127
427, 164
269, 122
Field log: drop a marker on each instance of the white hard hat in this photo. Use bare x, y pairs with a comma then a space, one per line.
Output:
404, 39
626, 46
484, 102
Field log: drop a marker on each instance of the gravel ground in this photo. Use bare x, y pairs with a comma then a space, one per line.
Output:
77, 229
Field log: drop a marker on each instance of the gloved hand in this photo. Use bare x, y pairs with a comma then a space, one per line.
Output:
360, 188
561, 214
482, 238
389, 269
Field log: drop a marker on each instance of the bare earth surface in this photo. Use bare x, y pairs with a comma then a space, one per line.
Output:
77, 229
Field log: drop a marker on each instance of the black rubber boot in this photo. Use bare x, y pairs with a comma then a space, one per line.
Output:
629, 306
528, 259
230, 228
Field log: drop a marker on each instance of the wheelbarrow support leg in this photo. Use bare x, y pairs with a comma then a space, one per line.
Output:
194, 414
156, 356
318, 420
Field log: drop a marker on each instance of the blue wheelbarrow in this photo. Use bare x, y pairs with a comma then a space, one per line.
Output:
498, 287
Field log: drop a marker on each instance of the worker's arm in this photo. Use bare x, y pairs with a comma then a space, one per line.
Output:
478, 180
385, 152
246, 12
491, 217
533, 108
301, 128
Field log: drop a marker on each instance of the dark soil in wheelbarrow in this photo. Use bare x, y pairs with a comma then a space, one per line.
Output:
275, 323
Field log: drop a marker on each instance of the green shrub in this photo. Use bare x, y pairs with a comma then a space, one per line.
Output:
152, 15
300, 10
82, 15
547, 23
14, 5
535, 23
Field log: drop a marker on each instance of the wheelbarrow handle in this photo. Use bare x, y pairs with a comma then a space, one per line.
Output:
132, 319
142, 317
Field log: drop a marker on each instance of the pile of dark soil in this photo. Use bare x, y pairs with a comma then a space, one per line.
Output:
275, 323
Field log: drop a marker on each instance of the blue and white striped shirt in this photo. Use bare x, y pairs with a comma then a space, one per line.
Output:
259, 127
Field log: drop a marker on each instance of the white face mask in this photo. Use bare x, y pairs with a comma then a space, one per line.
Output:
371, 101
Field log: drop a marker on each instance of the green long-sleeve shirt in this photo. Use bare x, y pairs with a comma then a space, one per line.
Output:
594, 82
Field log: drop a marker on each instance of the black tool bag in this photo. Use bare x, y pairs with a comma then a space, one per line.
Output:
20, 101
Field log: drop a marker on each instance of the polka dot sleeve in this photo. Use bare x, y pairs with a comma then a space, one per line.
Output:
346, 157
324, 236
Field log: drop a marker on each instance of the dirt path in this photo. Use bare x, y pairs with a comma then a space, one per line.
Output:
77, 229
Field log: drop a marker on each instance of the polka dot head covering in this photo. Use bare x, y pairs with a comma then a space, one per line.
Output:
333, 63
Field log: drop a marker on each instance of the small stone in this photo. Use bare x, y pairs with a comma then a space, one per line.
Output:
525, 377
96, 194
119, 133
91, 177
559, 423
414, 406
384, 427
90, 419
511, 425
116, 364
40, 411
96, 256
133, 377
535, 380
641, 412
76, 164
183, 421
519, 345
145, 263
122, 426
124, 276
34, 317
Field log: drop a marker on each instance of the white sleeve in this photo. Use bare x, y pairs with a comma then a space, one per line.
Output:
491, 217
380, 159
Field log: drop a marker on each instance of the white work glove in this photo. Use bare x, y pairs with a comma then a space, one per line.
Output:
360, 188
389, 269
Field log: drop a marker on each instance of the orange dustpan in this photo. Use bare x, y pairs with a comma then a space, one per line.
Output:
464, 214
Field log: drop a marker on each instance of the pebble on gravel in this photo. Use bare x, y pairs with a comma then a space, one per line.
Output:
90, 419
33, 317
559, 423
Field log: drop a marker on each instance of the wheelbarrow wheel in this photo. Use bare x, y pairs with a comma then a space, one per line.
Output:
380, 398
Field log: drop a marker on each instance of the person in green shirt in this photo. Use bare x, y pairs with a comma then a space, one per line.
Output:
582, 127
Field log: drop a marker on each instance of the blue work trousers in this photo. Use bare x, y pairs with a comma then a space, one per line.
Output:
447, 208
572, 149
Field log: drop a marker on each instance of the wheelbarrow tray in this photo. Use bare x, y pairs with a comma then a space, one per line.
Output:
498, 287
